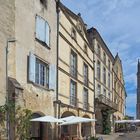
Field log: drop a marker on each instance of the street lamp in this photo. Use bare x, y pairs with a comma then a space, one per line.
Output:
10, 40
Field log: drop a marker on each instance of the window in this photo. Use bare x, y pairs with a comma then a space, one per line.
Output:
98, 89
73, 100
104, 75
109, 64
104, 57
85, 49
85, 98
98, 70
73, 64
104, 93
109, 96
85, 74
73, 33
109, 80
42, 30
98, 50
41, 73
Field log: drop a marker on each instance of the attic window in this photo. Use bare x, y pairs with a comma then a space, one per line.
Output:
44, 2
73, 33
79, 27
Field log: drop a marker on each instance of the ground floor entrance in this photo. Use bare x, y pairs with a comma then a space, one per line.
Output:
39, 130
75, 131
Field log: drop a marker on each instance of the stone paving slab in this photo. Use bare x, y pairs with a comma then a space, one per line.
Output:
112, 136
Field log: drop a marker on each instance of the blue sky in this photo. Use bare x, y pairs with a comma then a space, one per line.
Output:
118, 22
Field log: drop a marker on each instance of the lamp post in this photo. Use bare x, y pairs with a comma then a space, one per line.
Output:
11, 40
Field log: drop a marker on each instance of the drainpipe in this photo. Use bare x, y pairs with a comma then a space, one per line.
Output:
57, 105
94, 90
11, 40
57, 10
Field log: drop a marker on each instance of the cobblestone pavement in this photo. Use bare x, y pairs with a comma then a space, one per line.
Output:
122, 136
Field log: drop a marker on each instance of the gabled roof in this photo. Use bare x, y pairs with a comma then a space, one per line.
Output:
77, 17
97, 35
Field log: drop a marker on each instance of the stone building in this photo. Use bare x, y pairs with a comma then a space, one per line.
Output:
75, 74
104, 103
6, 32
29, 29
138, 90
119, 92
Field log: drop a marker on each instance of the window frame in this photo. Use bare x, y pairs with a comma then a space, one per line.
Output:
85, 74
73, 34
98, 70
73, 64
104, 75
104, 57
46, 74
85, 98
98, 89
43, 42
73, 95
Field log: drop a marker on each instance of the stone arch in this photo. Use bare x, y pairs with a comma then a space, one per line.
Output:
86, 128
40, 130
68, 131
67, 113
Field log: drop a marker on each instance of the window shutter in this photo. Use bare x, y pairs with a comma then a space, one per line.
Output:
52, 77
40, 28
32, 67
47, 35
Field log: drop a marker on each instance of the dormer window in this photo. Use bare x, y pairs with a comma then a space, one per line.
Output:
73, 33
79, 26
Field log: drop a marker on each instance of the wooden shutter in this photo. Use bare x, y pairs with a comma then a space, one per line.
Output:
52, 77
40, 28
47, 35
32, 67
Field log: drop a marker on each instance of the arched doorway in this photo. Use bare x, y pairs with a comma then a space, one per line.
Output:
86, 128
68, 131
98, 124
39, 130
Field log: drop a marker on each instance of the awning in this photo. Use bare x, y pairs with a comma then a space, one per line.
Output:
50, 119
74, 120
127, 121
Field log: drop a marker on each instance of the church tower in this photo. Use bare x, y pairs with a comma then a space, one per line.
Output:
138, 91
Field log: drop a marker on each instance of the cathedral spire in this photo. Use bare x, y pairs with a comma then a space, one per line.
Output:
138, 66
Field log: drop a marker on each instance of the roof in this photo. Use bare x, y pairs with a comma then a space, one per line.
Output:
97, 35
77, 17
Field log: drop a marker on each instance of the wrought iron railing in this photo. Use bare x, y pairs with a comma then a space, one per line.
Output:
86, 106
103, 99
73, 101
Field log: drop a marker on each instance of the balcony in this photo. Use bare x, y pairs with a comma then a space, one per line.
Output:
73, 101
106, 101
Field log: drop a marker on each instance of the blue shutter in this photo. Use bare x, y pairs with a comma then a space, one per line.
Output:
52, 77
32, 67
47, 35
40, 28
